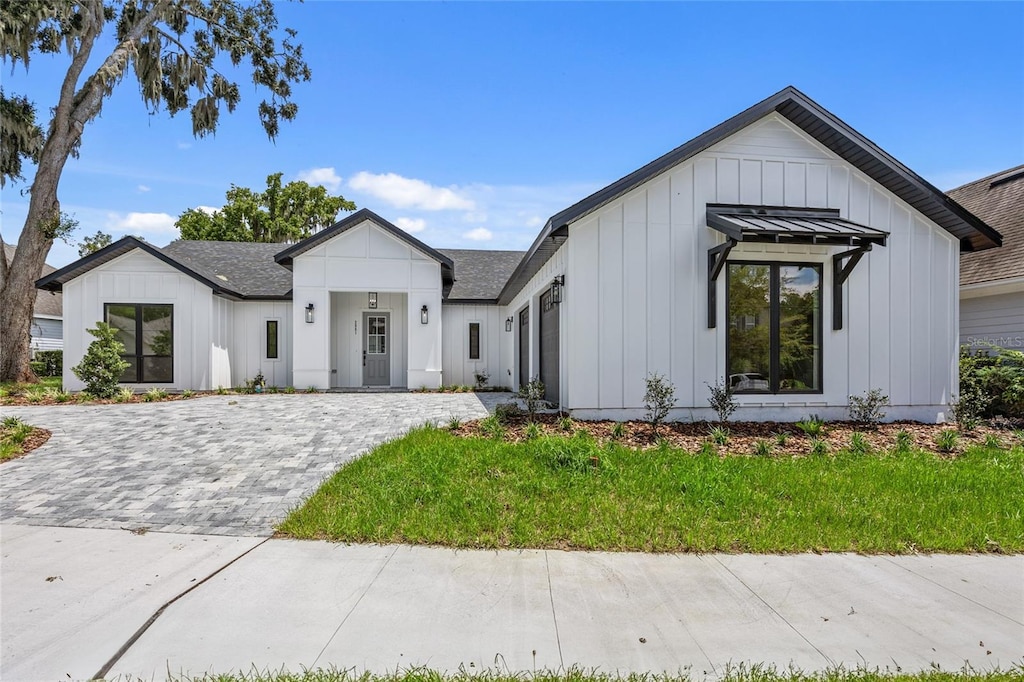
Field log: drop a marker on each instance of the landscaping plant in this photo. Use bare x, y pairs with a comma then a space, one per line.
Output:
102, 365
859, 444
659, 399
532, 393
719, 435
507, 412
867, 409
946, 440
721, 400
812, 426
904, 441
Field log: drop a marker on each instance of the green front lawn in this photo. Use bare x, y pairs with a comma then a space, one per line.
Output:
433, 487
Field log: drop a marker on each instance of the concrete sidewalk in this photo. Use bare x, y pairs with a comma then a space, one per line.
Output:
313, 604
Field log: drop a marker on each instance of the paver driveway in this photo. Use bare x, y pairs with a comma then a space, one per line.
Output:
221, 465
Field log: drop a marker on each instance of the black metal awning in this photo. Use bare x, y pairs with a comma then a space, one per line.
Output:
789, 225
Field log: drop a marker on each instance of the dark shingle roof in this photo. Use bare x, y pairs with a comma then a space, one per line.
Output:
998, 200
245, 268
46, 303
480, 275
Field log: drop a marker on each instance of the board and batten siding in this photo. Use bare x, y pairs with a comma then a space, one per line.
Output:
637, 273
993, 321
249, 342
365, 258
457, 367
348, 332
137, 277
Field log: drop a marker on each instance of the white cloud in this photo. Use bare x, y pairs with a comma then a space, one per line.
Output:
184, 145
142, 223
480, 234
402, 192
143, 188
325, 177
411, 224
208, 210
534, 221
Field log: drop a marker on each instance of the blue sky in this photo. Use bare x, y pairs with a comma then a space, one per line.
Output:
470, 124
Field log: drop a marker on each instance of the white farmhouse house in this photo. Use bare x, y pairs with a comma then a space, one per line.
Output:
780, 251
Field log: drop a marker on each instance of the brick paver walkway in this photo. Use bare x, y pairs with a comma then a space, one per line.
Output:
221, 465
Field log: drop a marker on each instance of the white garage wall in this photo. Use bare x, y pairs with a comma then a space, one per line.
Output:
457, 368
249, 342
637, 271
137, 277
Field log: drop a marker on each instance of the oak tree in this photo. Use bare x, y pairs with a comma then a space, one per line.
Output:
177, 51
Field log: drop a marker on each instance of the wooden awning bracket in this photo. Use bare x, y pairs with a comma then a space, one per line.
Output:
717, 256
840, 273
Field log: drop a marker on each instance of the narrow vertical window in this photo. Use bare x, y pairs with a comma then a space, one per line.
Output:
474, 340
271, 339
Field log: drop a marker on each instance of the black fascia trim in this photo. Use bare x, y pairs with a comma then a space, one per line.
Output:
286, 256
55, 280
469, 301
557, 236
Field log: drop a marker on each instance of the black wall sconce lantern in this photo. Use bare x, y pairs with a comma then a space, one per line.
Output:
556, 289
423, 314
309, 314
508, 324
372, 303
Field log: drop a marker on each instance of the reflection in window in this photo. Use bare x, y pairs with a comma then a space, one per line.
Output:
147, 333
774, 336
271, 339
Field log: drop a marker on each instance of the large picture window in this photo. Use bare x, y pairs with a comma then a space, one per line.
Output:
147, 332
774, 337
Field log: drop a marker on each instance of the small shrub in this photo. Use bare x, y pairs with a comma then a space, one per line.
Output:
812, 426
59, 395
289, 389
492, 427
532, 431
154, 395
867, 409
187, 393
222, 391
533, 394
859, 444
101, 366
11, 422
481, 377
719, 435
508, 412
312, 389
721, 399
124, 395
968, 407
565, 423
762, 448
819, 447
53, 362
992, 442
454, 423
34, 396
708, 449
946, 440
618, 431
904, 441
781, 438
659, 398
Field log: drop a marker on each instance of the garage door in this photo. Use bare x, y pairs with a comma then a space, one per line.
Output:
549, 347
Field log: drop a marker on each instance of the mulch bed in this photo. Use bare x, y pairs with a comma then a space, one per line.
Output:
34, 440
691, 436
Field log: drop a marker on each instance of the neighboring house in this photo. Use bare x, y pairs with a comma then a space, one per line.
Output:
992, 283
47, 314
780, 251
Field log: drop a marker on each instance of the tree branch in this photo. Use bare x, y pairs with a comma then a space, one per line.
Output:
91, 30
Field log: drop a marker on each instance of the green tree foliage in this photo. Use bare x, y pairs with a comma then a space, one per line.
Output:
281, 213
102, 364
177, 52
94, 243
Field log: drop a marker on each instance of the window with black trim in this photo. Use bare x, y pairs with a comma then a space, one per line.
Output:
271, 339
147, 333
774, 338
474, 340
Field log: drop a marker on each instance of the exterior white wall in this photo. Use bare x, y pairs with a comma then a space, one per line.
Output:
137, 277
249, 342
347, 349
993, 320
222, 329
636, 287
458, 368
365, 258
529, 295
